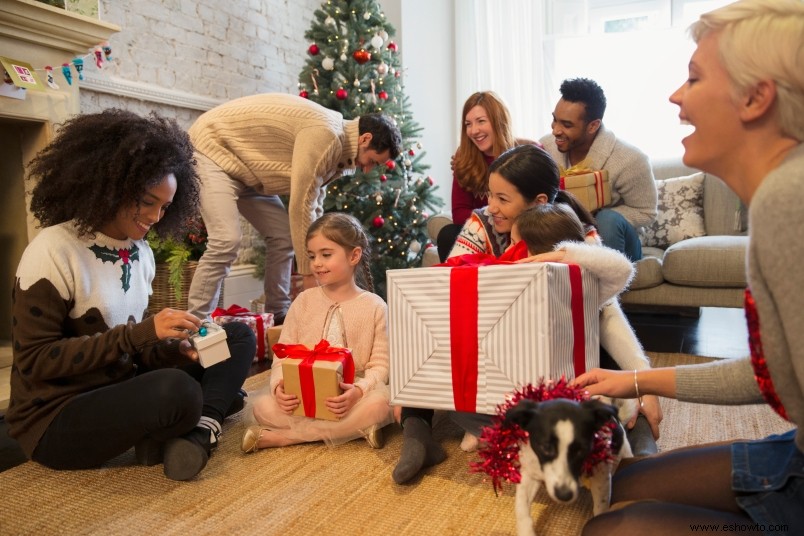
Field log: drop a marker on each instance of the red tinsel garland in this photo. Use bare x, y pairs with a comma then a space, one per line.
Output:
758, 361
499, 454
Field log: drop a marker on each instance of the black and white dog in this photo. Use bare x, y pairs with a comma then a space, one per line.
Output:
561, 437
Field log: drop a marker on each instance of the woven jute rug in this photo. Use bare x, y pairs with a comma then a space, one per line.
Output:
316, 490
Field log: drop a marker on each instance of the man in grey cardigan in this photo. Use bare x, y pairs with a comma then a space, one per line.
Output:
578, 138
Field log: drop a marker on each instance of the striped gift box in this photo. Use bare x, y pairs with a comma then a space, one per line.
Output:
532, 321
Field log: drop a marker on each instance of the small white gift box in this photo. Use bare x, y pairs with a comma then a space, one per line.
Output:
212, 347
462, 338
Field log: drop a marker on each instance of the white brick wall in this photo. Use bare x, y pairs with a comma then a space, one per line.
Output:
218, 50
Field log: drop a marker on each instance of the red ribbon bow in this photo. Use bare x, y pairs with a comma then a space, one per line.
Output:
236, 310
323, 352
233, 310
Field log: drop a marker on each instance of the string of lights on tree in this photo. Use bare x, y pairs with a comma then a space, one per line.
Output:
353, 66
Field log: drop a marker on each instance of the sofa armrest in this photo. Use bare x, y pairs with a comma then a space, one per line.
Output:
435, 223
430, 257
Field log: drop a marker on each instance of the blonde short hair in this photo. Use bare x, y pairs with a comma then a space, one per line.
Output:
763, 39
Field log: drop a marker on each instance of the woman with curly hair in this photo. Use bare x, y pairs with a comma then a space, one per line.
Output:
92, 375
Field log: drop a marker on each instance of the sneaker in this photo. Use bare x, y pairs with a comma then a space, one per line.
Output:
187, 455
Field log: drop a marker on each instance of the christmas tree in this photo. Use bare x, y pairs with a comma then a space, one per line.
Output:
353, 67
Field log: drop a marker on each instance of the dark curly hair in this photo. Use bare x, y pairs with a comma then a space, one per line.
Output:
385, 135
587, 92
101, 162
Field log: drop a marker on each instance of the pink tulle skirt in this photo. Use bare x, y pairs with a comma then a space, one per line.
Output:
372, 411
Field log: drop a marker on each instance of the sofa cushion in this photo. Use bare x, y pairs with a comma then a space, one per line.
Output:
648, 269
707, 261
680, 211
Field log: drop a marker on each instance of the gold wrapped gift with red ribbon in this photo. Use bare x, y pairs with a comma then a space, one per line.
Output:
315, 374
592, 188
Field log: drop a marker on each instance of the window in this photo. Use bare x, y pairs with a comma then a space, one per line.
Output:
637, 51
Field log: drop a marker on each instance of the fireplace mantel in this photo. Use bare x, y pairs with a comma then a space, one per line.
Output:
41, 24
44, 35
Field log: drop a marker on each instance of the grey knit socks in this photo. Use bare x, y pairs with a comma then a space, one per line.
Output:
419, 450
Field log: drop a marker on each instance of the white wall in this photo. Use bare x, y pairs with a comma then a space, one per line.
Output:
426, 39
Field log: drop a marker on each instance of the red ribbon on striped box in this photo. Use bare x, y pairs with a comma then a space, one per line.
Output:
462, 337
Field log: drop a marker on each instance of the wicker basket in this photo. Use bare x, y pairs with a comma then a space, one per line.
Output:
164, 295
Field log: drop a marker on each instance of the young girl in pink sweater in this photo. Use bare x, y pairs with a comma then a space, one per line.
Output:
344, 311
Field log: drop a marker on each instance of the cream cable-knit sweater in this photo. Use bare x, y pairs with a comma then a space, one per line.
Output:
280, 144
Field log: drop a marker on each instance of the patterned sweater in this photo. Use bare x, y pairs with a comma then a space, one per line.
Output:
280, 144
633, 188
366, 330
78, 325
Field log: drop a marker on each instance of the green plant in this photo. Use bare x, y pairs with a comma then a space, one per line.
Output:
176, 253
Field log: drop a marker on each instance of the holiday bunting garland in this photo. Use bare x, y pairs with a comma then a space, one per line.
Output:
23, 75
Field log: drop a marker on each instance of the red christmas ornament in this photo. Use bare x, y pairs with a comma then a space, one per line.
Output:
361, 56
378, 222
382, 95
390, 165
396, 74
341, 94
314, 50
303, 93
383, 178
392, 46
411, 152
429, 180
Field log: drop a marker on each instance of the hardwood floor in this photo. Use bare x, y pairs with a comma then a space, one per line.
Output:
715, 332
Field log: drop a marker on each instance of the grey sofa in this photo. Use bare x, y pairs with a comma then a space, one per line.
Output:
706, 271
